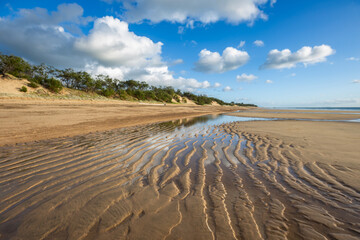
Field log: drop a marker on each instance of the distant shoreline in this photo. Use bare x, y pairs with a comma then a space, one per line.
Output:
317, 108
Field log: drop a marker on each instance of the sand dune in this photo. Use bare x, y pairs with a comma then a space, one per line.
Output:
161, 181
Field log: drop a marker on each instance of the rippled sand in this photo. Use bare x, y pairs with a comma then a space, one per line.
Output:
161, 181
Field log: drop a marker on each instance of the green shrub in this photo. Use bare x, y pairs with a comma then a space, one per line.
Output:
23, 89
150, 95
108, 92
52, 79
177, 99
14, 65
33, 85
140, 95
52, 84
123, 94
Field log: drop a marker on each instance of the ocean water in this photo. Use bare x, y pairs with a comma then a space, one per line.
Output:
218, 119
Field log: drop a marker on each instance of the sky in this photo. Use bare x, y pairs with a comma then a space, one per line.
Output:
273, 53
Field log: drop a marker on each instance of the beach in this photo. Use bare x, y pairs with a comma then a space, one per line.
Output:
25, 120
179, 120
159, 172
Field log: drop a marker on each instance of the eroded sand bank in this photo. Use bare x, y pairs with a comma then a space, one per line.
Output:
243, 180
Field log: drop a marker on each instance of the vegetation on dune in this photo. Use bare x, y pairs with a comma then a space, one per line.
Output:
23, 89
54, 80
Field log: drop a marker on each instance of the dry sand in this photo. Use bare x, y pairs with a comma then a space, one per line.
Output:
241, 180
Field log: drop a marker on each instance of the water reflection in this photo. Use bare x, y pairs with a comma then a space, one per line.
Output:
209, 120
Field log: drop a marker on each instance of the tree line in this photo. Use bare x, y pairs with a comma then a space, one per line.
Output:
55, 79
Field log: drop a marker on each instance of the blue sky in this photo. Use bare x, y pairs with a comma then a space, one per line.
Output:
307, 52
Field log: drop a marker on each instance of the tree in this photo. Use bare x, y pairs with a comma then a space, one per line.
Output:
66, 76
52, 84
15, 66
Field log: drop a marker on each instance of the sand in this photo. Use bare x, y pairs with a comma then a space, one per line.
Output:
299, 114
24, 120
184, 179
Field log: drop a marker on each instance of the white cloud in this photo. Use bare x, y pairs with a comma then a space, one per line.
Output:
193, 42
112, 44
177, 61
190, 24
181, 30
124, 55
246, 78
293, 75
258, 43
213, 62
307, 55
353, 59
269, 81
356, 81
154, 75
216, 85
40, 36
204, 11
241, 44
227, 89
109, 48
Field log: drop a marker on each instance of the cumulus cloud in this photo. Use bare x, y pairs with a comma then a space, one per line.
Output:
158, 76
246, 78
216, 85
269, 81
109, 48
124, 55
213, 62
356, 81
111, 43
227, 89
41, 36
204, 11
307, 55
259, 43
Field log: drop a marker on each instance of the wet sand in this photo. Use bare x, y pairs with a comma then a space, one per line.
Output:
24, 120
186, 179
299, 114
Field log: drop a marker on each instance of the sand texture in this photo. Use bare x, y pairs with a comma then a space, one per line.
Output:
240, 180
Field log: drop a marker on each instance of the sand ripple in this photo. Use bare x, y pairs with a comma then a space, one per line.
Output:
161, 182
